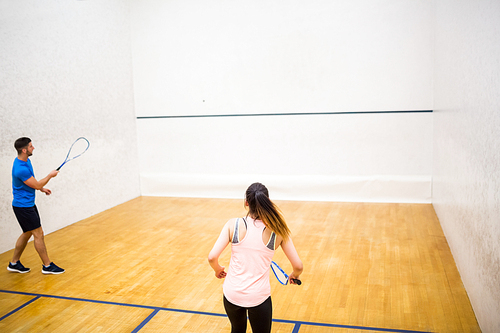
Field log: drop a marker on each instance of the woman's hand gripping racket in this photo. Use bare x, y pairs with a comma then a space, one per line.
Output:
281, 275
77, 149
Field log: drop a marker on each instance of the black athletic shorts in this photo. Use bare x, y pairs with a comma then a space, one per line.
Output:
28, 218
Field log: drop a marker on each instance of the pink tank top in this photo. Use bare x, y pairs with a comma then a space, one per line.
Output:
247, 281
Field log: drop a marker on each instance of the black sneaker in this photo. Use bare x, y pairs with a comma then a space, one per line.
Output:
18, 268
52, 269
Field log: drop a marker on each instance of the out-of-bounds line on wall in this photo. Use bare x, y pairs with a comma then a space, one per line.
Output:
281, 114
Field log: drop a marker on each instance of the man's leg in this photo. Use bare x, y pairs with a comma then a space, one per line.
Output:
20, 246
40, 245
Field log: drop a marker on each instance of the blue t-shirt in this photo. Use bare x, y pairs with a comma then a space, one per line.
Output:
24, 196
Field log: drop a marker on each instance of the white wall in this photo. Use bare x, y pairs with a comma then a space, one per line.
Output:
376, 157
466, 184
225, 57
220, 58
65, 72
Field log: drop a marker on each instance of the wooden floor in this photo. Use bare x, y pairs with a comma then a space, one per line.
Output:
142, 267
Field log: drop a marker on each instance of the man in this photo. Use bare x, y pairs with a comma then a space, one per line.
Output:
24, 186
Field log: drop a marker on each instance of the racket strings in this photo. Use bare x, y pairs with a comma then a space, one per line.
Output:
77, 148
279, 273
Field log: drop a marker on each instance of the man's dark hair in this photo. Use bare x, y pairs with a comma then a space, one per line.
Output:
21, 143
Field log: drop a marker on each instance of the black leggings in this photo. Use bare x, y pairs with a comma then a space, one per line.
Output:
260, 317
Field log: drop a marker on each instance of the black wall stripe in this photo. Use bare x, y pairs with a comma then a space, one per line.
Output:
281, 114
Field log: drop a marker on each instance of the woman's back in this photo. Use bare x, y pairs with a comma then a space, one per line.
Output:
247, 281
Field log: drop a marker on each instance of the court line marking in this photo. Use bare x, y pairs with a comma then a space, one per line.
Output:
297, 323
19, 308
296, 328
280, 114
145, 321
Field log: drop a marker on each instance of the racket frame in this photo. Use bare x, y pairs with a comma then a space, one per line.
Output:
69, 152
273, 265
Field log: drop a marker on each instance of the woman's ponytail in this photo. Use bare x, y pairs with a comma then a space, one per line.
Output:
262, 208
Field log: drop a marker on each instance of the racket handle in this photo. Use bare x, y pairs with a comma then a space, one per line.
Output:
297, 281
58, 169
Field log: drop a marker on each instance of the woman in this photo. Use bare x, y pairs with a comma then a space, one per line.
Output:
253, 242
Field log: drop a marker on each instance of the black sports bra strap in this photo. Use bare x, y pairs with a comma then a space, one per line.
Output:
236, 233
272, 241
